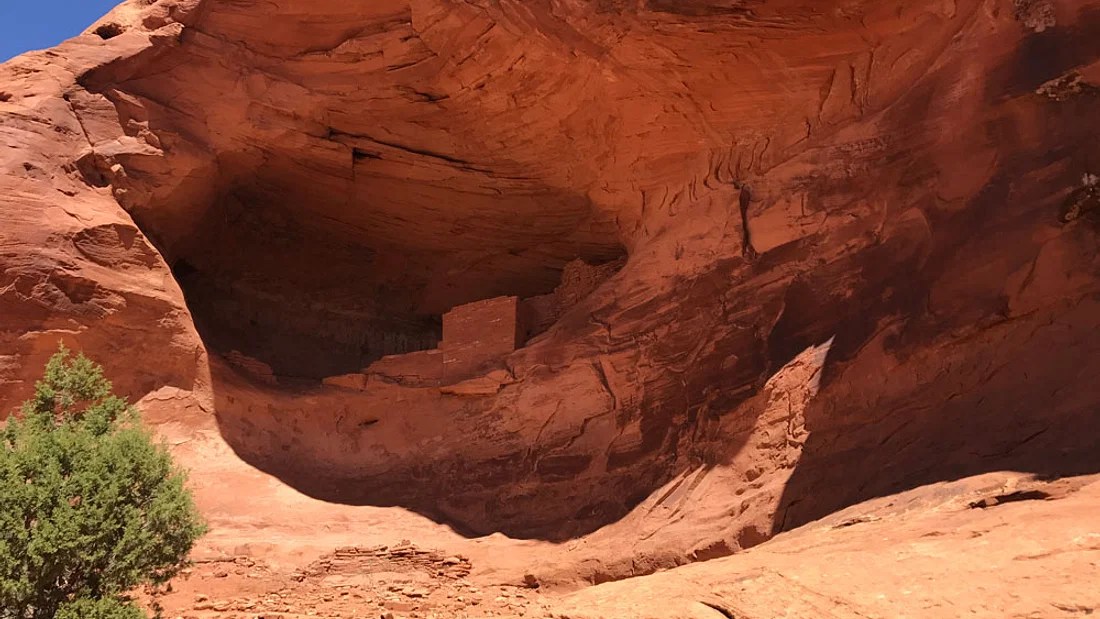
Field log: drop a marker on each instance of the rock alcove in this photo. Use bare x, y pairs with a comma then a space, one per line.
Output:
310, 296
328, 184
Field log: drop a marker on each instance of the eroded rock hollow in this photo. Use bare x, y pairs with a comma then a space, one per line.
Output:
786, 256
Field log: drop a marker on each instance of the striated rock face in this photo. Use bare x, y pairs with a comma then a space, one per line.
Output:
984, 547
994, 546
238, 200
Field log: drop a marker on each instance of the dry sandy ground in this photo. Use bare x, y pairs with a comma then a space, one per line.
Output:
999, 545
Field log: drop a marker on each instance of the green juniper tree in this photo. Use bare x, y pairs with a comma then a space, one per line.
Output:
90, 505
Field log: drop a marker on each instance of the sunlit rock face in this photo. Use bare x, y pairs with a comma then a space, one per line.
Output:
242, 199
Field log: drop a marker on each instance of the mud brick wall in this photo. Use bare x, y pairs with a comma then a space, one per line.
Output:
477, 334
578, 280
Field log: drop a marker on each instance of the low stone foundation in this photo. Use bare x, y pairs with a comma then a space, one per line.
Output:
477, 336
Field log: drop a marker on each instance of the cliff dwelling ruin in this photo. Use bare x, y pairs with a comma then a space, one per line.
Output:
477, 336
310, 297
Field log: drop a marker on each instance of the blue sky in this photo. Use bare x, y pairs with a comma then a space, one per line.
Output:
36, 24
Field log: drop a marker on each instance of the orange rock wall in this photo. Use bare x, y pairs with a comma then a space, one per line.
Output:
896, 177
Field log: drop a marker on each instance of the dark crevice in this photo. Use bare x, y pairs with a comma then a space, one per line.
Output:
425, 97
1012, 497
358, 154
719, 609
744, 199
109, 30
422, 152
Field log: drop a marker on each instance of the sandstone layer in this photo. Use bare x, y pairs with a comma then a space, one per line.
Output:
994, 546
855, 250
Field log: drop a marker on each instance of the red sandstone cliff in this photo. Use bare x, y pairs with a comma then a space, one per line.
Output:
306, 186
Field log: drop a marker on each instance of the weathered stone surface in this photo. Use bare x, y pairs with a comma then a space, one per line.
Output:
489, 384
313, 184
478, 335
934, 552
578, 280
423, 367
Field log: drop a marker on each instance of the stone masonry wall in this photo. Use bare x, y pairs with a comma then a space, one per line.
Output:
479, 333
